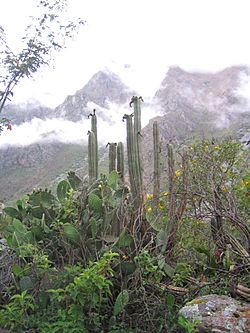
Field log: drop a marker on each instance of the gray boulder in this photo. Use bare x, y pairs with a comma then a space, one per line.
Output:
218, 314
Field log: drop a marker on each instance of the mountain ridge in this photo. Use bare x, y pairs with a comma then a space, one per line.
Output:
192, 104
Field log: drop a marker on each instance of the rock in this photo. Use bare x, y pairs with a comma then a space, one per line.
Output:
218, 314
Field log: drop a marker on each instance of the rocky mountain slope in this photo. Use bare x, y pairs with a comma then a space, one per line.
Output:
103, 88
192, 104
40, 164
198, 105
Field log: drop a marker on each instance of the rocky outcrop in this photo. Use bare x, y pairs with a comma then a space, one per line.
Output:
208, 91
102, 88
218, 314
197, 105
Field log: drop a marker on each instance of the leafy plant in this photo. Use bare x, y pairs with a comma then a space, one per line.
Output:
189, 326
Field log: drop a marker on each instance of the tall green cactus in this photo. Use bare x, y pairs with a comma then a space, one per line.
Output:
156, 146
120, 160
94, 130
92, 161
112, 155
134, 151
138, 161
130, 153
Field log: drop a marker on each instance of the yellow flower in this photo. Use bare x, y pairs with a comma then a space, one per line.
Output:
245, 182
224, 189
149, 210
149, 196
216, 147
165, 194
177, 173
161, 205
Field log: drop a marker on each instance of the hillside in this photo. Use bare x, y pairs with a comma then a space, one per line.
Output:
198, 105
23, 167
192, 105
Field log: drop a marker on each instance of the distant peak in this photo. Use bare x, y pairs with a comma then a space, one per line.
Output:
176, 70
105, 74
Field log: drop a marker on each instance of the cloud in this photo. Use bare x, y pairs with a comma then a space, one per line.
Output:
111, 128
148, 35
244, 87
48, 130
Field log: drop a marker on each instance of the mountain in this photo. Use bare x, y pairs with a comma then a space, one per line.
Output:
42, 163
192, 104
102, 88
21, 113
195, 105
212, 91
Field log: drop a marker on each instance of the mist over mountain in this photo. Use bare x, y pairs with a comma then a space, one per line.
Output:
102, 88
46, 143
25, 112
196, 104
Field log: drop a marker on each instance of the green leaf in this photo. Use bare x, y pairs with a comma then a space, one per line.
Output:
17, 270
19, 226
74, 180
26, 283
170, 301
62, 190
113, 179
95, 202
211, 258
164, 266
155, 222
121, 301
124, 239
12, 212
71, 233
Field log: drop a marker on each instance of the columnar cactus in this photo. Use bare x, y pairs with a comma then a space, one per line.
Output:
130, 153
120, 160
156, 143
112, 156
92, 161
136, 101
134, 151
94, 130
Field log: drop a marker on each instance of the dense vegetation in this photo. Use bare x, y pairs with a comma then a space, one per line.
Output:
103, 256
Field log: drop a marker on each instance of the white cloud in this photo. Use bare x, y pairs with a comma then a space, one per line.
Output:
111, 128
149, 35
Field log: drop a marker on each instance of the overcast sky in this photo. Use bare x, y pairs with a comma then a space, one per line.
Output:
138, 39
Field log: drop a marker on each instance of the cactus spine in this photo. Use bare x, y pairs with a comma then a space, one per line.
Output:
92, 162
112, 156
120, 160
156, 191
